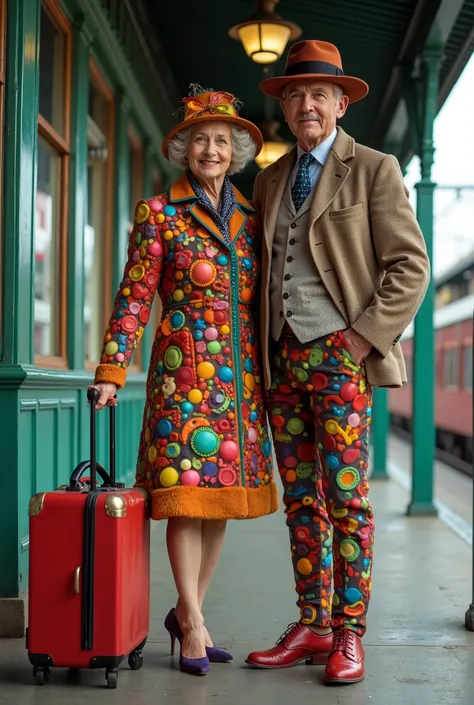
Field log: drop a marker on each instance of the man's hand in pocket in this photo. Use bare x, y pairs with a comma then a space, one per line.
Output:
358, 346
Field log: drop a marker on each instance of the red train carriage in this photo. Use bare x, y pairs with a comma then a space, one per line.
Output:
453, 414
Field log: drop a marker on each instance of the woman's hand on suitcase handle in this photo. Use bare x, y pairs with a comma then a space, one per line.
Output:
107, 397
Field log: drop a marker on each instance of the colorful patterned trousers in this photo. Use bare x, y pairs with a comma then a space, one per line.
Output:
320, 411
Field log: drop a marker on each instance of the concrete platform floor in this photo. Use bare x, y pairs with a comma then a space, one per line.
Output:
417, 648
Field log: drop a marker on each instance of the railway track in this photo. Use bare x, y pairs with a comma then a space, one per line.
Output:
442, 455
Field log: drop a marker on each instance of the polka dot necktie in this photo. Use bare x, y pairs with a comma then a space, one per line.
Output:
302, 186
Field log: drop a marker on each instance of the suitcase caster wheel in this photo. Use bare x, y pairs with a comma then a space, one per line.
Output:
41, 675
112, 678
135, 661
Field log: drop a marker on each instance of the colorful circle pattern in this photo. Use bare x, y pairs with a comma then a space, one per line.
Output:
204, 422
320, 413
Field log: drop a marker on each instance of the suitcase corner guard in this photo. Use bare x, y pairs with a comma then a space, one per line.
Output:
115, 506
42, 660
107, 662
35, 506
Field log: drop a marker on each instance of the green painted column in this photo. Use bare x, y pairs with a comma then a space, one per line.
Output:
19, 183
379, 434
423, 450
20, 149
78, 194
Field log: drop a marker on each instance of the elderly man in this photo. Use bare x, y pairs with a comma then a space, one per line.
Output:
344, 270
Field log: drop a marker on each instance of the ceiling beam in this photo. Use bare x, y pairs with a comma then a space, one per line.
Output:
456, 69
415, 37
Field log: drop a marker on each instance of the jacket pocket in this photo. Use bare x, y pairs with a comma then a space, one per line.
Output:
346, 213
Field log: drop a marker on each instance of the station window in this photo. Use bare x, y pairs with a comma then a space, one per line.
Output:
467, 364
98, 230
451, 367
52, 187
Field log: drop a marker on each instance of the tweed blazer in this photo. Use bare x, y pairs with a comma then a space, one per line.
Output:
366, 244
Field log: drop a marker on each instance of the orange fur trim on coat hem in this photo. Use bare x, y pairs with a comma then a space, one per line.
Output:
211, 503
110, 374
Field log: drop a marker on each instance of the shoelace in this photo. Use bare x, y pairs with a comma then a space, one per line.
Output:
290, 628
345, 642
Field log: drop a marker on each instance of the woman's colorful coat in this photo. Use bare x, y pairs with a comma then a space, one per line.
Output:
204, 447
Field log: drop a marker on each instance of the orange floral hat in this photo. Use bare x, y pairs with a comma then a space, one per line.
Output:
208, 106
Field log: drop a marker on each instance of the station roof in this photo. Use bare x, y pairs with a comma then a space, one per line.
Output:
376, 40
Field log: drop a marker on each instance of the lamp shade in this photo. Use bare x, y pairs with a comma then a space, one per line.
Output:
264, 42
273, 146
265, 35
270, 152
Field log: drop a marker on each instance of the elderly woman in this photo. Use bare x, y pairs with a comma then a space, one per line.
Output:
204, 453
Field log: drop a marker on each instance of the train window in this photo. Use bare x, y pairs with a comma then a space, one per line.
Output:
467, 376
451, 367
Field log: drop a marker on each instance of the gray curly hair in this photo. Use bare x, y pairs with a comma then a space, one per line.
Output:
243, 149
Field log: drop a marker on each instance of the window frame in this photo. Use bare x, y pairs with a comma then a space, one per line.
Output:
451, 362
467, 352
103, 87
62, 146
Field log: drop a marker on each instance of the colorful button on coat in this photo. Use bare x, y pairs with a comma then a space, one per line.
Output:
204, 447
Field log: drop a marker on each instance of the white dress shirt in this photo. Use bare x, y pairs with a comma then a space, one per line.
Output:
320, 154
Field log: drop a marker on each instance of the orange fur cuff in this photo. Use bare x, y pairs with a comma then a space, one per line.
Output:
110, 374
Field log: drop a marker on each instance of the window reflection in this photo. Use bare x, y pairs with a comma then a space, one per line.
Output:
95, 236
46, 333
51, 72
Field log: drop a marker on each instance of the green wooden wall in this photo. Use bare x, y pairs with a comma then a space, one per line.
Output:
44, 416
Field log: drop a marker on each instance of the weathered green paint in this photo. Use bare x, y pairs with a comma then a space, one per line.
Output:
380, 430
423, 449
43, 413
21, 109
77, 195
20, 139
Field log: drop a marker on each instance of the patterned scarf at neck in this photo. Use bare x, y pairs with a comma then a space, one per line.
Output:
226, 208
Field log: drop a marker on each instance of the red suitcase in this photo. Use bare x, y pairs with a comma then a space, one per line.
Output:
89, 577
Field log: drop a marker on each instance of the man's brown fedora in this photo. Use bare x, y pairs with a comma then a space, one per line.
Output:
312, 60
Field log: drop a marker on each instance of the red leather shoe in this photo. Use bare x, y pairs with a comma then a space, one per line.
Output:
297, 644
346, 660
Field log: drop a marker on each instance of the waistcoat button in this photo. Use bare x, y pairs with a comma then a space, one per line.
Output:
293, 226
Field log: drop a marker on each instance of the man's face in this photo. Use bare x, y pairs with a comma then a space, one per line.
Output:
311, 110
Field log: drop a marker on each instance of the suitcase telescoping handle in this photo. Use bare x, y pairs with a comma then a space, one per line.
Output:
93, 397
75, 479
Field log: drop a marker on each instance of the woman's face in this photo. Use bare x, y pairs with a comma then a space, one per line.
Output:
210, 149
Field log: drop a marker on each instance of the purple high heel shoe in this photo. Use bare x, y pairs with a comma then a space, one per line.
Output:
214, 654
194, 666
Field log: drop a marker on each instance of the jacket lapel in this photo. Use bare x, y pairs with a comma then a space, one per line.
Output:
333, 175
182, 191
203, 217
276, 190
